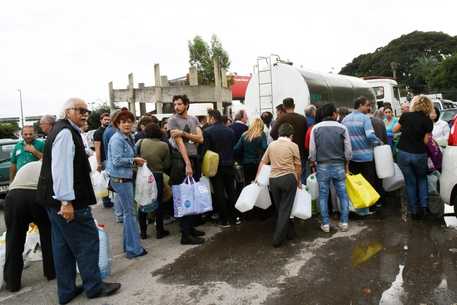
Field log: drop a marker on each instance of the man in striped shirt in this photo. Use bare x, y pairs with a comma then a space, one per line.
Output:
363, 139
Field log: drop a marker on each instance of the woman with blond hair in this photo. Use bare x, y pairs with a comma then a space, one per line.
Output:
250, 149
415, 127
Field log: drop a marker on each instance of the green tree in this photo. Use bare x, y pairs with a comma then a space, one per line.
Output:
406, 50
8, 130
422, 71
201, 55
94, 117
445, 74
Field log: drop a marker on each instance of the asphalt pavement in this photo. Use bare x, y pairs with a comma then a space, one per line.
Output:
382, 259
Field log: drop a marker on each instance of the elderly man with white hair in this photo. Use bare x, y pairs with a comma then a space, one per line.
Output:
47, 121
65, 190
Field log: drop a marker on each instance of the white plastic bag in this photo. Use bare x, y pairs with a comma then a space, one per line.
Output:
202, 195
104, 259
263, 178
395, 182
248, 197
302, 204
32, 250
263, 199
100, 184
433, 183
145, 186
312, 186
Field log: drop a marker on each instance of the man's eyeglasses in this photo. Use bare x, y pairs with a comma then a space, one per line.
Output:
82, 111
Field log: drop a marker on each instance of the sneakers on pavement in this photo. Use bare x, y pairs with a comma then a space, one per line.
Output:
343, 226
325, 228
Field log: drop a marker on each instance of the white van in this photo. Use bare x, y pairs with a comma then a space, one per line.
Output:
386, 91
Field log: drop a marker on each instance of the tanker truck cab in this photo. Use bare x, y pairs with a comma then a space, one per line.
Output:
386, 91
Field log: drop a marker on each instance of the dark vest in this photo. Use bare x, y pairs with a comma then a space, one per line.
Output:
82, 185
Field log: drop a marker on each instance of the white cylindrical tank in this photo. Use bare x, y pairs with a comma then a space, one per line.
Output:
448, 179
304, 87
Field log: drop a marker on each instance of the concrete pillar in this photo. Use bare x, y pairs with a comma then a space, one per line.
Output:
159, 108
217, 84
193, 76
164, 81
131, 95
142, 101
111, 96
157, 75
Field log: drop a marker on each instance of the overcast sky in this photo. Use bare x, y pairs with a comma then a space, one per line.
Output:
53, 50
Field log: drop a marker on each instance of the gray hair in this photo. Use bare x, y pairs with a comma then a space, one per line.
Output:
51, 119
310, 110
70, 103
239, 115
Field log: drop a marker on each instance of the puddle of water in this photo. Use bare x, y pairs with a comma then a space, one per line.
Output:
363, 253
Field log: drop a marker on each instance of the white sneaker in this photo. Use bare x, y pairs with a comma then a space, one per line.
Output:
343, 226
325, 228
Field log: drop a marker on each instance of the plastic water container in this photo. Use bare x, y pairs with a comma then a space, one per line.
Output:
248, 197
384, 161
312, 186
263, 200
395, 182
263, 178
448, 177
302, 204
210, 163
105, 258
2, 256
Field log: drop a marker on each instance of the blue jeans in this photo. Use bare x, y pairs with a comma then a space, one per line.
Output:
131, 233
304, 170
117, 207
414, 168
332, 172
75, 242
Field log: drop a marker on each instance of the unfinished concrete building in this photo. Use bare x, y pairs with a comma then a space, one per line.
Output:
161, 94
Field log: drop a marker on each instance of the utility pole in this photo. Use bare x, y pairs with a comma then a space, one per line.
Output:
22, 111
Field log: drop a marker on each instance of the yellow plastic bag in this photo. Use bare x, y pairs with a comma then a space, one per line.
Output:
360, 192
210, 163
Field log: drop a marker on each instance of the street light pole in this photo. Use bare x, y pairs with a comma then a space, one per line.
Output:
22, 111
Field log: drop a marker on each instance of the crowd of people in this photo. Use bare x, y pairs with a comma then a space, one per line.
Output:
51, 181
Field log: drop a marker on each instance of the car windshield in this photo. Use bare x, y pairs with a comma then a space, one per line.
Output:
379, 91
448, 115
5, 151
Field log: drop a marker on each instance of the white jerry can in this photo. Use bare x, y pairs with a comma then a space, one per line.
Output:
384, 161
248, 197
448, 178
395, 182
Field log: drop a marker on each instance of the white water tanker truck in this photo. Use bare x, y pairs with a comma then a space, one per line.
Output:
274, 81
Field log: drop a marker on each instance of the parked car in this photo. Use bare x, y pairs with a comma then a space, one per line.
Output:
443, 104
448, 115
6, 146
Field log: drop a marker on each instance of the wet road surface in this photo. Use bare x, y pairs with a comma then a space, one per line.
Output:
380, 260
